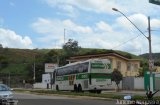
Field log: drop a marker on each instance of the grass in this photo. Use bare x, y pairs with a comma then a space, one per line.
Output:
109, 95
68, 93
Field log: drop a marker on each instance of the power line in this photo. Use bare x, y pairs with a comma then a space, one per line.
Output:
126, 42
130, 40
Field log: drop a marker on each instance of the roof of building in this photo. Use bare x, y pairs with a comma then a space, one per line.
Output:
83, 57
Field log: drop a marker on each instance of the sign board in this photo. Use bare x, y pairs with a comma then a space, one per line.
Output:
46, 78
155, 2
49, 67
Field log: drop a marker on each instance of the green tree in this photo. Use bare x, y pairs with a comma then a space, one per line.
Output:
144, 67
116, 76
53, 56
71, 47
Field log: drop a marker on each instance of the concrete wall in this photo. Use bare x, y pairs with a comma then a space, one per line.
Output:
157, 81
46, 78
128, 83
139, 83
133, 83
41, 86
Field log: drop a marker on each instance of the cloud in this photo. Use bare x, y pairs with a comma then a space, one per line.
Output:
155, 23
9, 38
139, 20
102, 6
117, 35
103, 26
56, 27
105, 6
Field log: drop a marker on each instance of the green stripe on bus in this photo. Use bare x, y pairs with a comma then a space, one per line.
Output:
100, 75
97, 66
109, 66
72, 77
84, 76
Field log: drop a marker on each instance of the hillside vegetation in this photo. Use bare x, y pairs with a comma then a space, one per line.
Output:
155, 56
20, 63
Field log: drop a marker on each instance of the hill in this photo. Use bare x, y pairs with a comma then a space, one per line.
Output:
155, 56
20, 62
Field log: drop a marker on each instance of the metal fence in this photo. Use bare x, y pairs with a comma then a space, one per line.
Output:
133, 83
12, 80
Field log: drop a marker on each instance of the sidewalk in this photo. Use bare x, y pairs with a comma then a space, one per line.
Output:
129, 92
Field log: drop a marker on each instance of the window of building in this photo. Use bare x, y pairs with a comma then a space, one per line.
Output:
136, 67
129, 66
118, 65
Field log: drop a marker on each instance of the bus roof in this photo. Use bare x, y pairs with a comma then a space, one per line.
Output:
70, 64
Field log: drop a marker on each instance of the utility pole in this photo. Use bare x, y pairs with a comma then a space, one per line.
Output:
34, 71
150, 47
64, 35
9, 79
150, 56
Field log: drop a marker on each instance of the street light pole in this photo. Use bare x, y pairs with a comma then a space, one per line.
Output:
150, 48
34, 71
150, 56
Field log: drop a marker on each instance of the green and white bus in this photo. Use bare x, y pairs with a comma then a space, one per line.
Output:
92, 75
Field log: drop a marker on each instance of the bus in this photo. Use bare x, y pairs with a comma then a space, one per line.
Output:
92, 75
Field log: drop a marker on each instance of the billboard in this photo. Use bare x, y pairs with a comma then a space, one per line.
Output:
49, 67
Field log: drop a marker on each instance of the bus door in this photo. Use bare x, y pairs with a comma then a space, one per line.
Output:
54, 77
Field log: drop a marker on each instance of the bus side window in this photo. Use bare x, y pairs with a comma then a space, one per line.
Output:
76, 68
80, 68
85, 67
57, 73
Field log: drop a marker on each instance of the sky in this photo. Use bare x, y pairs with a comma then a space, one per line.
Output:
48, 24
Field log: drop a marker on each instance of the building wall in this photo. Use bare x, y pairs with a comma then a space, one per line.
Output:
122, 65
133, 83
41, 86
157, 68
139, 83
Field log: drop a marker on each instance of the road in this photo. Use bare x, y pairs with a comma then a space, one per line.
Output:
30, 99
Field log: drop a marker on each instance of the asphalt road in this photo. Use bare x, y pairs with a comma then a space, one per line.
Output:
30, 99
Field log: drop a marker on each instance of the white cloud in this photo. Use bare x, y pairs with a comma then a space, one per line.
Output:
104, 26
9, 38
139, 20
100, 35
101, 6
105, 6
155, 23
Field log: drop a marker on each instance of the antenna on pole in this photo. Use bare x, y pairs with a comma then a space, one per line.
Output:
64, 35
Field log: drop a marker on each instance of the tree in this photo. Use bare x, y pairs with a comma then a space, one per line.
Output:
53, 56
116, 76
143, 69
71, 47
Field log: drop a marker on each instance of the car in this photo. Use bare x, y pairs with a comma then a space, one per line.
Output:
6, 95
